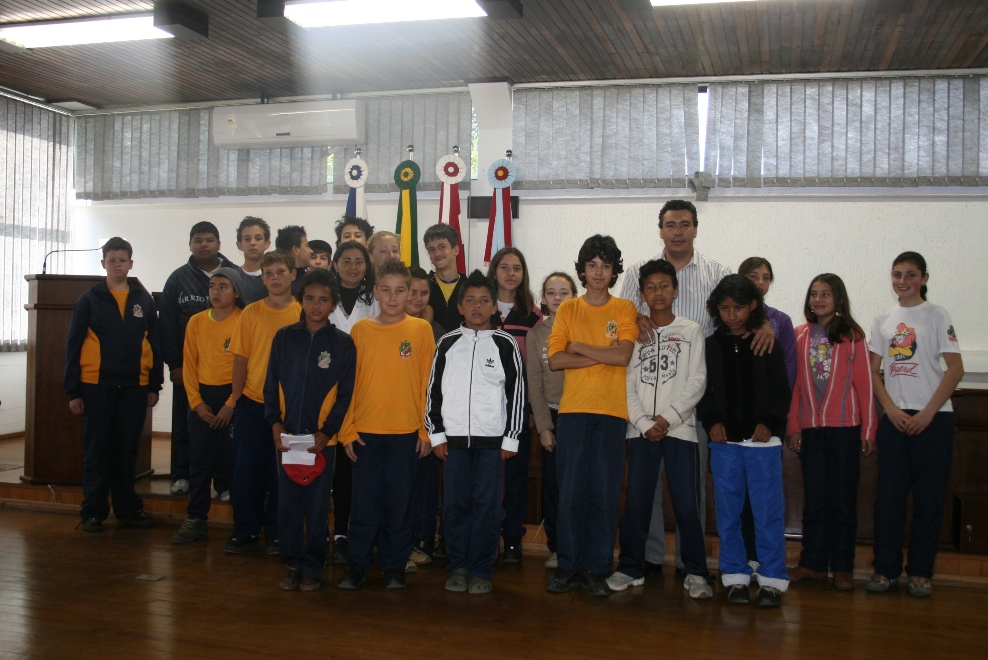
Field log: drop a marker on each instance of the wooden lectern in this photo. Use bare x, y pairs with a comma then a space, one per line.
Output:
53, 435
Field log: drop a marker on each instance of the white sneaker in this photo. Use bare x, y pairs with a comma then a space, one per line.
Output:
697, 586
754, 568
225, 496
180, 487
552, 561
619, 581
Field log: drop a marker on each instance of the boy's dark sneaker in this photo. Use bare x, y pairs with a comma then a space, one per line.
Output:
91, 524
395, 579
562, 581
738, 594
353, 577
139, 518
340, 549
595, 585
769, 597
309, 584
512, 551
193, 529
440, 550
238, 544
271, 546
291, 580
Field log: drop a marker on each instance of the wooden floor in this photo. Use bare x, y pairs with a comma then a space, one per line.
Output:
65, 593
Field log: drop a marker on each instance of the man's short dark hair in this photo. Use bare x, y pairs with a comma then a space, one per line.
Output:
654, 266
117, 243
251, 221
418, 273
678, 205
321, 247
320, 277
476, 280
360, 223
440, 231
603, 247
204, 227
289, 237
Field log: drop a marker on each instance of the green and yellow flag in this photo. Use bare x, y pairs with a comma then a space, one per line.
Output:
407, 176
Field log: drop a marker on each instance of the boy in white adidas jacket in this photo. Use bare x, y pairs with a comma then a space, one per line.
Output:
474, 413
665, 380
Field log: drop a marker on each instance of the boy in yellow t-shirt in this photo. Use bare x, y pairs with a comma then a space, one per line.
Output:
207, 372
384, 431
592, 340
254, 494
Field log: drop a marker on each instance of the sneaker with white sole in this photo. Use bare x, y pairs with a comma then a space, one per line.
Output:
180, 487
411, 566
225, 496
697, 587
620, 581
552, 561
754, 568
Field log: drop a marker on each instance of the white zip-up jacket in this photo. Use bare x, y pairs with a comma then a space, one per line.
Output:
476, 394
667, 377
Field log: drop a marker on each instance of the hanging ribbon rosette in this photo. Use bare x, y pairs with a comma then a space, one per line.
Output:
451, 169
407, 176
501, 174
355, 176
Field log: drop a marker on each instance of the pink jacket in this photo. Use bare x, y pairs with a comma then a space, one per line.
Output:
848, 400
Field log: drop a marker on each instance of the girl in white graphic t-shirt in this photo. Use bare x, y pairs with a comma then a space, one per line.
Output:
916, 435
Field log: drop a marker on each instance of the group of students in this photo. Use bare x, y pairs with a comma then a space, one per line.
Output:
405, 371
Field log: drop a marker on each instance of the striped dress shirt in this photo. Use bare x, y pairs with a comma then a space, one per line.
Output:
696, 282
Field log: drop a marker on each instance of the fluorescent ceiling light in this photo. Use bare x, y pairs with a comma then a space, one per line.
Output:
671, 3
362, 12
82, 31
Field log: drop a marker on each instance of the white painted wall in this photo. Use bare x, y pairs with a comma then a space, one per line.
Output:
13, 392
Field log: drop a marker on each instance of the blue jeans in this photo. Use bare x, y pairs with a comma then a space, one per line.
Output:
254, 493
920, 464
473, 483
590, 465
383, 484
111, 434
734, 466
682, 461
303, 519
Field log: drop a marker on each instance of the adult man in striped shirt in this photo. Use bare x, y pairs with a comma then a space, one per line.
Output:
698, 274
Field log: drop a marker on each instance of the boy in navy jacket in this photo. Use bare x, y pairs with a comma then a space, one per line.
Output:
113, 373
307, 393
475, 411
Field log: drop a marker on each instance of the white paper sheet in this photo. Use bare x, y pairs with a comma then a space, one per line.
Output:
297, 453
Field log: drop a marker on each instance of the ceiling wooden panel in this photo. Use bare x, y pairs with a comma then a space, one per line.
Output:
557, 40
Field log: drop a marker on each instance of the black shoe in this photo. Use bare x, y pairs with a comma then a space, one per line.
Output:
91, 524
440, 550
239, 544
595, 585
395, 579
651, 568
353, 577
271, 546
340, 549
769, 597
291, 580
139, 518
512, 551
561, 582
738, 594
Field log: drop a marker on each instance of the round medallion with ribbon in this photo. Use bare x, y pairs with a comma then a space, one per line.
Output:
451, 169
355, 174
407, 174
501, 173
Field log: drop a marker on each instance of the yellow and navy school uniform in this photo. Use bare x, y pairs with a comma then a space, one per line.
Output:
308, 389
388, 415
254, 494
112, 363
207, 374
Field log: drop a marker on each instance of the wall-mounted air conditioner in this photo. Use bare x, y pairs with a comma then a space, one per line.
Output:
332, 124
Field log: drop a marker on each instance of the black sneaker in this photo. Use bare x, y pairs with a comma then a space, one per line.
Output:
353, 577
440, 550
91, 524
139, 518
738, 594
512, 551
395, 580
340, 549
271, 546
239, 544
193, 529
769, 597
561, 582
595, 585
652, 569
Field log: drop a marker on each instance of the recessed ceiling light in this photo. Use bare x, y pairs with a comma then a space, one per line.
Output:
362, 12
131, 27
